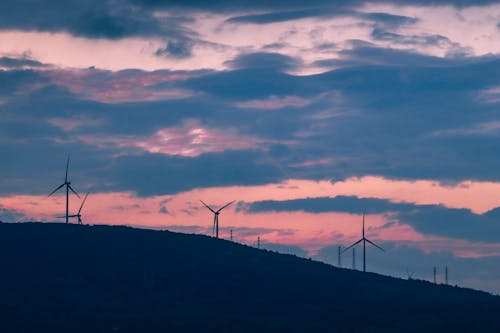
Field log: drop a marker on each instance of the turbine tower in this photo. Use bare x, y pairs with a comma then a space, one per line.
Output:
216, 216
66, 183
339, 258
79, 215
364, 240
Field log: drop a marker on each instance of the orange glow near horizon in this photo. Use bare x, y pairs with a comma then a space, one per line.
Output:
311, 231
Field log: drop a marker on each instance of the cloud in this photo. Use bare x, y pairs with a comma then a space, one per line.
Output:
164, 210
389, 21
281, 16
374, 115
253, 83
184, 173
427, 219
19, 63
178, 49
89, 19
264, 61
122, 86
112, 20
20, 81
190, 140
423, 40
10, 215
485, 128
344, 204
363, 54
274, 102
377, 120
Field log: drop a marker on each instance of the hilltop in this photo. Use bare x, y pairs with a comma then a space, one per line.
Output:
74, 278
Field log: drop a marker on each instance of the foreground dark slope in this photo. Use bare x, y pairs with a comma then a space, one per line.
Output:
70, 278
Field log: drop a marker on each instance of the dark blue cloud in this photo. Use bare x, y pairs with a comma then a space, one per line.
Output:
427, 219
160, 174
370, 118
264, 61
281, 16
19, 81
248, 84
180, 49
365, 54
389, 20
104, 25
91, 19
381, 19
113, 20
344, 204
290, 5
9, 62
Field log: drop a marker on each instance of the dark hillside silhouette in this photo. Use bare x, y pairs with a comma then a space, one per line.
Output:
77, 278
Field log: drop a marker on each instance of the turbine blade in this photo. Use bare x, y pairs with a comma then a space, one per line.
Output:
67, 167
72, 190
204, 204
363, 223
347, 248
83, 202
57, 189
225, 206
372, 243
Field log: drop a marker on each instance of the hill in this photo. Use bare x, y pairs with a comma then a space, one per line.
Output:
72, 278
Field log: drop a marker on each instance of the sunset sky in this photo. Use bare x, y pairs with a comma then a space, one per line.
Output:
306, 113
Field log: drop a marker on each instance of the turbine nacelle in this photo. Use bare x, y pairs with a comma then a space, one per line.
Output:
66, 183
364, 240
216, 216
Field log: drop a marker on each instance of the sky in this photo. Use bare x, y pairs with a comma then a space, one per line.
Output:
306, 113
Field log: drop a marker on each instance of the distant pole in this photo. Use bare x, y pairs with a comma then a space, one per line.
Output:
446, 275
353, 258
434, 273
339, 260
231, 235
258, 242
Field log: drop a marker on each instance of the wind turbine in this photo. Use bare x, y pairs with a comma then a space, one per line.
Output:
364, 240
216, 216
79, 215
66, 183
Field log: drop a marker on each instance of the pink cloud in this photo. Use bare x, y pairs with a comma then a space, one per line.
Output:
490, 95
120, 87
322, 161
69, 124
274, 102
484, 128
191, 139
